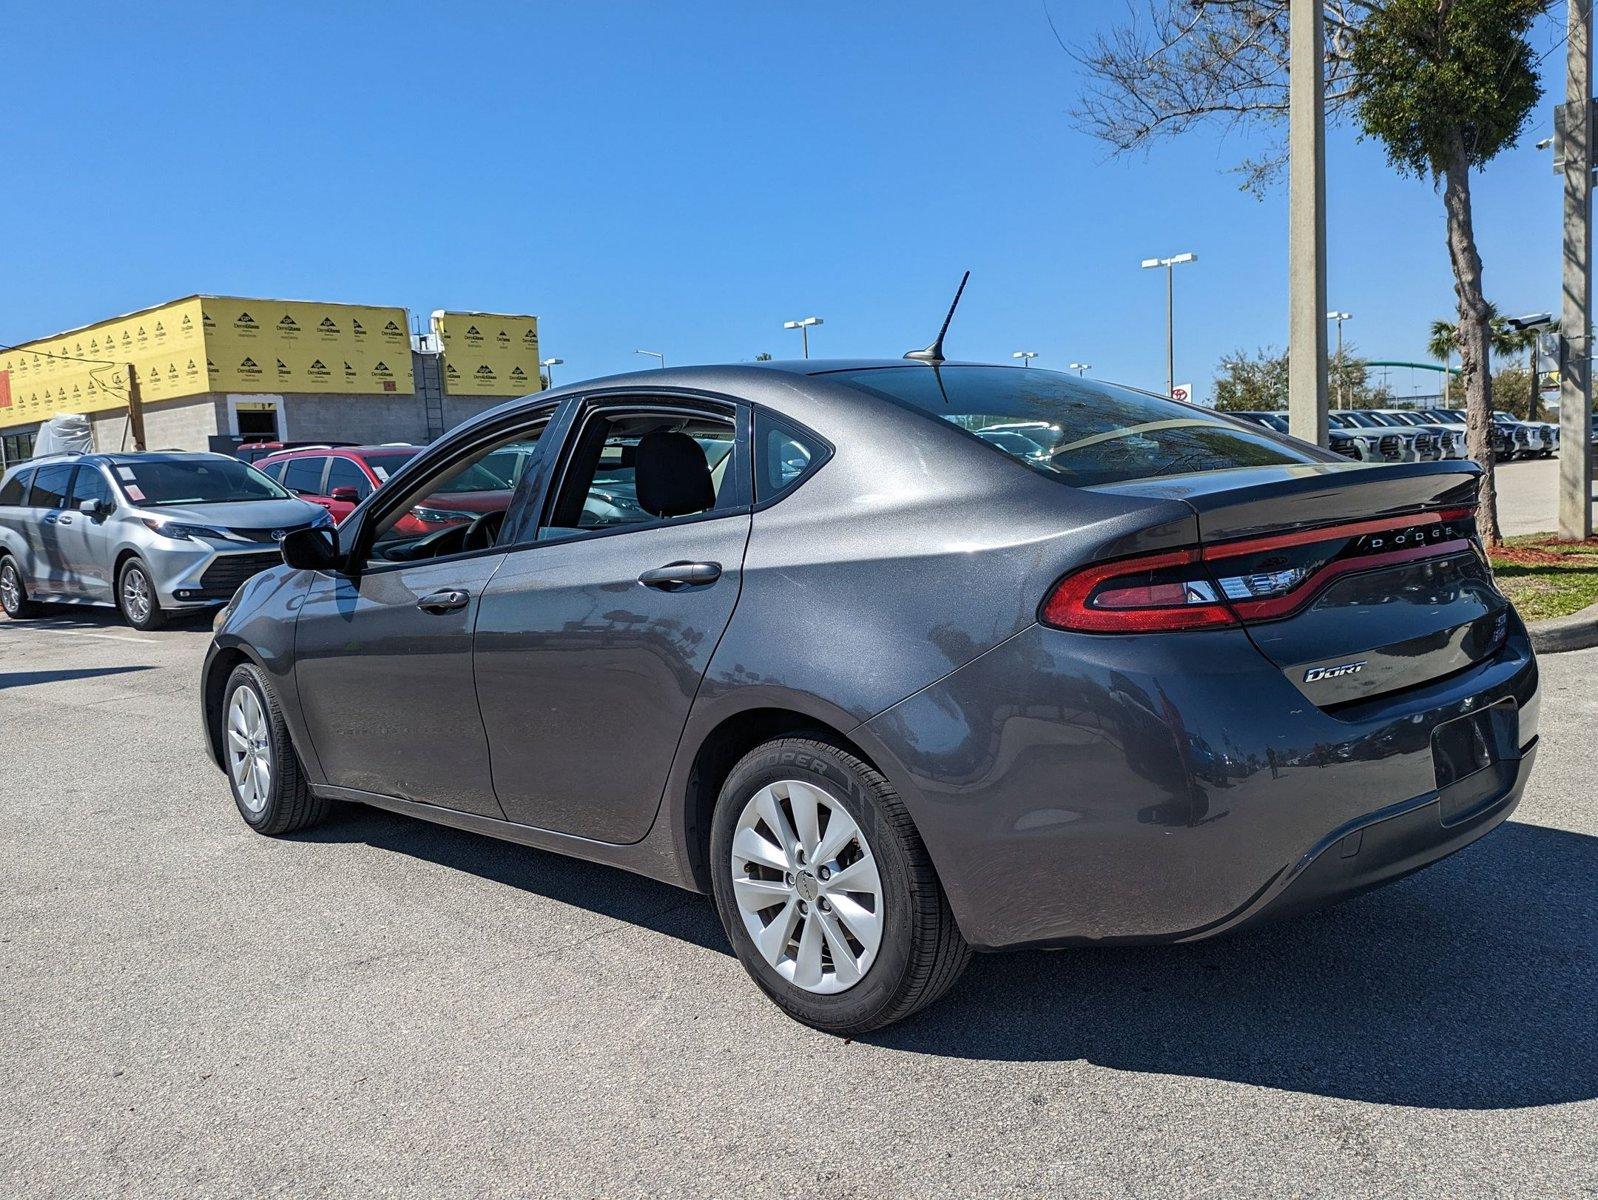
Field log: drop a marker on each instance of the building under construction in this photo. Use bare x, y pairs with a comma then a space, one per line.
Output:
206, 372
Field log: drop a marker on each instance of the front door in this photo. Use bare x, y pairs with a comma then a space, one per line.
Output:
592, 640
85, 541
384, 652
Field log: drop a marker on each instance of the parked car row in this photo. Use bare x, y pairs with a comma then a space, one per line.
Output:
1420, 435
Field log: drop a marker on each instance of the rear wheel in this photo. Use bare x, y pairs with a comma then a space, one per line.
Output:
136, 597
14, 592
262, 768
826, 890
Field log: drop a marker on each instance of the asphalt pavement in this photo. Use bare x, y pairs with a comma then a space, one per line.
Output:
386, 1007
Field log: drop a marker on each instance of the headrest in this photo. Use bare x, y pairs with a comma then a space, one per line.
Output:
672, 476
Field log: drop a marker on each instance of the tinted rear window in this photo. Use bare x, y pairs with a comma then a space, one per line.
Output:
15, 488
1081, 432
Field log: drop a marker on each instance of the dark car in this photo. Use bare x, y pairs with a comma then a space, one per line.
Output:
799, 636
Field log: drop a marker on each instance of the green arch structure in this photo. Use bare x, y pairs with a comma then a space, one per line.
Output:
1371, 362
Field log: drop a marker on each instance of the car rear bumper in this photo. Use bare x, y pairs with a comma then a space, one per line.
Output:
1076, 789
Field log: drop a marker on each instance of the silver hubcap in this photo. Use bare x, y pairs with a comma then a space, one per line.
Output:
10, 588
807, 887
249, 749
136, 594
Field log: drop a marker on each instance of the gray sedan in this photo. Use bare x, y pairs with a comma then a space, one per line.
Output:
152, 534
899, 660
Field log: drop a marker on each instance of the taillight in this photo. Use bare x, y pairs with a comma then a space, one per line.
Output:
1152, 593
1252, 579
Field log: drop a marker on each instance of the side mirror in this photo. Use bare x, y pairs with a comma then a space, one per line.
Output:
93, 508
313, 549
345, 495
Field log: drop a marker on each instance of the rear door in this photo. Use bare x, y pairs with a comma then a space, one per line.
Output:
594, 635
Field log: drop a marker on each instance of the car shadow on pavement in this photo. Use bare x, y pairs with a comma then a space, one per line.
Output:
607, 890
1468, 986
16, 679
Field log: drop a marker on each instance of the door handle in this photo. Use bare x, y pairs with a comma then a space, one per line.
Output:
64, 520
448, 600
680, 575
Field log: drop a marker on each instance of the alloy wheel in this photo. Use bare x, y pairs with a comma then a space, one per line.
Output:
249, 749
136, 594
807, 886
10, 588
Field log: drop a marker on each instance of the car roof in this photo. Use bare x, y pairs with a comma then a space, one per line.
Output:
300, 451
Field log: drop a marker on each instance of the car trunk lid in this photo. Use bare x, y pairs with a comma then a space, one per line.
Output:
1354, 580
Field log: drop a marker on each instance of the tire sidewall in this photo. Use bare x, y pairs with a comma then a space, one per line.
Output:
8, 564
827, 769
154, 619
249, 677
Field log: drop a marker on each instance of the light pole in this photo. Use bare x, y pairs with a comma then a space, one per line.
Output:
803, 325
1339, 317
654, 354
1170, 338
550, 362
1081, 369
1026, 356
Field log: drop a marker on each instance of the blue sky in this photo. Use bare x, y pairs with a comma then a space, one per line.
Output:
685, 176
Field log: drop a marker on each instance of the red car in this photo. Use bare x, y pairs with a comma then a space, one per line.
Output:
340, 478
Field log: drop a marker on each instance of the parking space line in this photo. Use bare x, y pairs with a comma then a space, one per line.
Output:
105, 637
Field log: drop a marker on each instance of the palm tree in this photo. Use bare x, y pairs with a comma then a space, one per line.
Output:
1441, 345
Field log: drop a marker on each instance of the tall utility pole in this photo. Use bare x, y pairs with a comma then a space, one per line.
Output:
1170, 265
135, 408
1306, 224
1575, 323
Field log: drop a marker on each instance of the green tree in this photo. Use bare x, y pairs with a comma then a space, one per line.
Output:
1512, 391
1444, 85
1258, 382
763, 356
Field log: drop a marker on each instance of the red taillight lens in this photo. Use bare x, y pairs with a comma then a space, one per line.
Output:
1154, 592
1253, 579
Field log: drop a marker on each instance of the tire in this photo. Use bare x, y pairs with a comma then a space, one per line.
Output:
918, 952
136, 596
14, 591
254, 733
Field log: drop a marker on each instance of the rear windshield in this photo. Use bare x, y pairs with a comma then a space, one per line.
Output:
194, 481
1075, 430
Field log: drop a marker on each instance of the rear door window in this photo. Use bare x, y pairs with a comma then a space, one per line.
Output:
50, 485
303, 476
1076, 430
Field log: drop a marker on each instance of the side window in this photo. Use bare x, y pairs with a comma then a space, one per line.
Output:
50, 486
463, 507
303, 476
632, 467
784, 454
15, 489
89, 484
341, 472
273, 471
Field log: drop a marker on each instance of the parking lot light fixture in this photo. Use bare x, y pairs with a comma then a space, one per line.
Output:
547, 364
1081, 369
1170, 338
1026, 356
803, 325
653, 354
1340, 317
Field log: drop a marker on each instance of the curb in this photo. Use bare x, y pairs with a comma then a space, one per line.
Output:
1578, 631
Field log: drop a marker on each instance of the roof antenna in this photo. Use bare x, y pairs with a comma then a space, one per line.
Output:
934, 353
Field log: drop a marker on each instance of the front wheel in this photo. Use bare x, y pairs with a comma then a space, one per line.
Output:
136, 596
262, 768
14, 592
826, 890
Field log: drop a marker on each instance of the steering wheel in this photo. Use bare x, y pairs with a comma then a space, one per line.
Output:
483, 532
